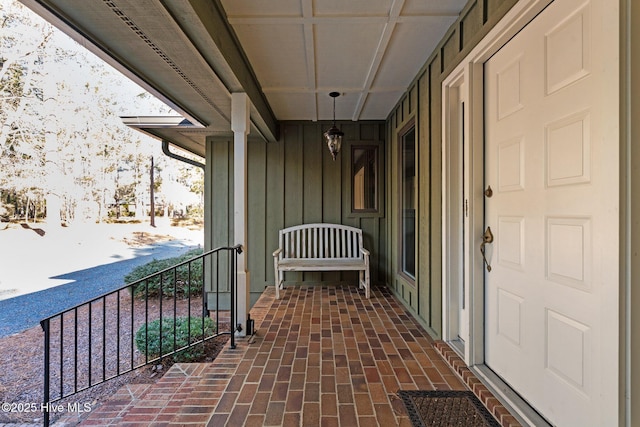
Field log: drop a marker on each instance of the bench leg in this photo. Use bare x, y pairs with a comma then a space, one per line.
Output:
278, 278
279, 283
364, 282
367, 283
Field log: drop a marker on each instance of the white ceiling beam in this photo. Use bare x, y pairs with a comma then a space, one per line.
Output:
310, 51
385, 37
326, 90
348, 19
302, 20
307, 95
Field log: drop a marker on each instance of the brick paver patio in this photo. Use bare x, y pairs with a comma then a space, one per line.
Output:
322, 356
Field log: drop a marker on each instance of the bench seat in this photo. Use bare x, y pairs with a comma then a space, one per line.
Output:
321, 247
325, 264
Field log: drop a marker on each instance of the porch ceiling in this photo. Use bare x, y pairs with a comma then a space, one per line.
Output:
287, 55
368, 50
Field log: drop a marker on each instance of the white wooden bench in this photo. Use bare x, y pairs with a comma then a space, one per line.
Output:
321, 247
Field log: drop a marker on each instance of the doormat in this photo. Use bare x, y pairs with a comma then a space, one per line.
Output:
445, 408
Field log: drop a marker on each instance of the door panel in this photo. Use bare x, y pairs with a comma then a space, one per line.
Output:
553, 215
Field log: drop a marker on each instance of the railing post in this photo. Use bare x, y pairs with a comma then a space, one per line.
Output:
47, 344
205, 303
233, 256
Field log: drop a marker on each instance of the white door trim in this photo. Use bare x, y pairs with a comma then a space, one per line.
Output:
630, 206
452, 208
471, 70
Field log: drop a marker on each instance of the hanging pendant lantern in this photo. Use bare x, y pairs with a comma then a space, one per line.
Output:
334, 135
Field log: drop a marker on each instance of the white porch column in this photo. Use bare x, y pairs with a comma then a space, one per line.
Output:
240, 128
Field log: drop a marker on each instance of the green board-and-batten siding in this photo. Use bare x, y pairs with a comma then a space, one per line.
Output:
293, 181
422, 105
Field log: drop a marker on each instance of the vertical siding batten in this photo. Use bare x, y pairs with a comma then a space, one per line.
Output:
257, 238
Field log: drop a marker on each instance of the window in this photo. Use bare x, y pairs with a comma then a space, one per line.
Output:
408, 203
364, 178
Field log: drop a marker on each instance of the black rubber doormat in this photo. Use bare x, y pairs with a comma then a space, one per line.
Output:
440, 408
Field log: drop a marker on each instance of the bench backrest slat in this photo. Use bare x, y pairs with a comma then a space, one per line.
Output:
314, 244
352, 244
286, 245
355, 245
321, 241
344, 240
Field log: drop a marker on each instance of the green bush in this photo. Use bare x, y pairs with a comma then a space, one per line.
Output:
181, 337
182, 287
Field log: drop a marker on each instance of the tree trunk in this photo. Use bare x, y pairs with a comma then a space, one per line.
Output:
26, 210
153, 204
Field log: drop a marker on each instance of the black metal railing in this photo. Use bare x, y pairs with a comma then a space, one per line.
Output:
124, 329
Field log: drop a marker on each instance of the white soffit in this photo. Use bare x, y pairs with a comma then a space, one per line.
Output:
369, 50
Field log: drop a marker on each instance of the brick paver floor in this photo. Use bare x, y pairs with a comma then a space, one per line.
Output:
322, 356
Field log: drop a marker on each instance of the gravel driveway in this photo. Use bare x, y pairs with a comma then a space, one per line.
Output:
62, 269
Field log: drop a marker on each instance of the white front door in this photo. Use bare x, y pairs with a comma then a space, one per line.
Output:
551, 159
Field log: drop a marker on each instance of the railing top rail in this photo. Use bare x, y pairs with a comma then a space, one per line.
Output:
236, 248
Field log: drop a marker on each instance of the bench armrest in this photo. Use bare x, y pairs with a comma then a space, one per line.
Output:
277, 252
365, 252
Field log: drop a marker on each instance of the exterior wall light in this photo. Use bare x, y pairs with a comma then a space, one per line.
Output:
334, 135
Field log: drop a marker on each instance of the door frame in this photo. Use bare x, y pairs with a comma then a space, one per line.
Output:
471, 71
453, 258
630, 209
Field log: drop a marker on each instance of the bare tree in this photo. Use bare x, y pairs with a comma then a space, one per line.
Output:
61, 136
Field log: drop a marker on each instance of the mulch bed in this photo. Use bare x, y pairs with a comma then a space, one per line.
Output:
21, 355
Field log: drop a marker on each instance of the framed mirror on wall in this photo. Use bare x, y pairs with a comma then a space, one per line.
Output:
364, 179
364, 165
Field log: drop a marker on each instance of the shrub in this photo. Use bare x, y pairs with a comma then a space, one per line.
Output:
182, 337
182, 286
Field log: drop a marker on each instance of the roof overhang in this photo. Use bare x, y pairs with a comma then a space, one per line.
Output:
182, 51
174, 129
286, 55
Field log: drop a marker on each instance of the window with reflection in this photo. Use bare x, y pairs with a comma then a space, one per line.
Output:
364, 178
408, 203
